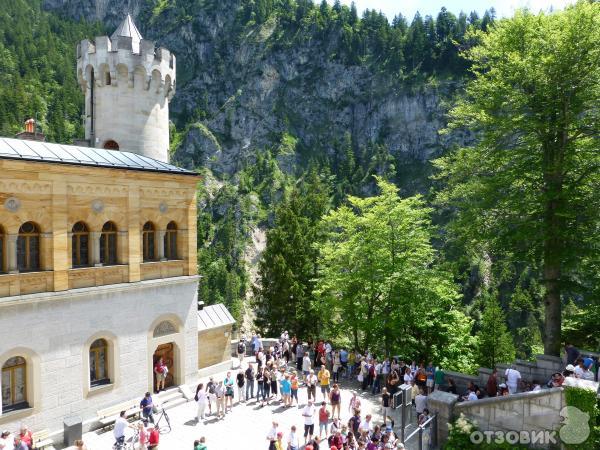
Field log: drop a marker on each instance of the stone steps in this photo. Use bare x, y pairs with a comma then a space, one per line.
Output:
171, 398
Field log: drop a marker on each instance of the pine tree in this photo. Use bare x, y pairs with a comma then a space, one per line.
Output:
495, 342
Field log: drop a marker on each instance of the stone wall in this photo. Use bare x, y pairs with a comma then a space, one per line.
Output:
53, 332
541, 370
213, 346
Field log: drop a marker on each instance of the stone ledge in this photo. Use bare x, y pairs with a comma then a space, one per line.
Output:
94, 290
507, 399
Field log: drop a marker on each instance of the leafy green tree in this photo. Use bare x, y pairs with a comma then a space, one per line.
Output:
528, 189
495, 341
378, 281
284, 298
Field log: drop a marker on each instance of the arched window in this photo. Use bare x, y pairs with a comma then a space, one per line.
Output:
14, 384
2, 251
28, 247
108, 244
111, 145
99, 363
80, 245
107, 80
171, 241
148, 236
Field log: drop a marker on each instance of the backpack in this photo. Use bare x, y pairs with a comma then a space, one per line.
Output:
211, 389
241, 348
372, 370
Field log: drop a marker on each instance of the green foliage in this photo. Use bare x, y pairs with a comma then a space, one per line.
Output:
37, 70
587, 401
378, 280
527, 191
284, 299
495, 342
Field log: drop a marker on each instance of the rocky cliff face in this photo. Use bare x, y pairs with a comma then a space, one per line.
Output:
239, 89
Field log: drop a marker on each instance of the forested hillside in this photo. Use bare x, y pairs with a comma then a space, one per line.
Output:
287, 108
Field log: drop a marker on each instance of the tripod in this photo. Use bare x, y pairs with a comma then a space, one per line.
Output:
164, 414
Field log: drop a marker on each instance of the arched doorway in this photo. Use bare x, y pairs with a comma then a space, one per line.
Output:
166, 349
111, 145
167, 353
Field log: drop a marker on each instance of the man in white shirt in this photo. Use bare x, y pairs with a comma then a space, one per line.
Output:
513, 376
365, 428
309, 421
306, 365
293, 441
121, 425
7, 442
420, 402
272, 435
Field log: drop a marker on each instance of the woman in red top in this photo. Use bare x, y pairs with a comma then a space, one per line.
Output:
26, 436
153, 438
160, 369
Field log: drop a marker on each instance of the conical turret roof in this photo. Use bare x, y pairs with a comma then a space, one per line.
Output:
128, 29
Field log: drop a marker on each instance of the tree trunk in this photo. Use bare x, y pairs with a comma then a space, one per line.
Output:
553, 244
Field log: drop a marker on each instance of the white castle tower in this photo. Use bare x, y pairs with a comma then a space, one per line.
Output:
128, 85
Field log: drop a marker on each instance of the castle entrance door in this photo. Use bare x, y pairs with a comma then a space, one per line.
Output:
166, 352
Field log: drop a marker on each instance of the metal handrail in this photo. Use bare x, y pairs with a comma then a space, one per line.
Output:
432, 423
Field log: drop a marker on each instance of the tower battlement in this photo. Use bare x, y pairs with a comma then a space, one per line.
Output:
127, 82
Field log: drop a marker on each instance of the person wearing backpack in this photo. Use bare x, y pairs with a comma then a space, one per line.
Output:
249, 382
241, 351
212, 395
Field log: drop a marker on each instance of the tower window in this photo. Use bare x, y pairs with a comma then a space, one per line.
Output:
148, 236
107, 78
111, 145
80, 245
170, 245
108, 244
28, 247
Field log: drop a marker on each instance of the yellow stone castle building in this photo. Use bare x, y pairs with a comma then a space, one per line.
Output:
98, 265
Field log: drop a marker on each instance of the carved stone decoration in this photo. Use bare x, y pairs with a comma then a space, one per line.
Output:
163, 207
12, 204
164, 328
97, 206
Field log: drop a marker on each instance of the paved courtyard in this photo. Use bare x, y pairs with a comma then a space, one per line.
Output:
245, 427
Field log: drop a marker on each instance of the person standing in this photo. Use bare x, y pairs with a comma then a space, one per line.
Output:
228, 383
430, 372
153, 438
294, 382
438, 378
324, 377
337, 366
220, 394
492, 384
286, 389
147, 407
306, 364
344, 361
309, 421
120, 426
293, 440
249, 381
260, 393
420, 402
513, 376
161, 371
240, 380
385, 403
335, 398
201, 400
572, 353
211, 394
241, 351
311, 385
143, 436
323, 419
354, 403
272, 436
300, 356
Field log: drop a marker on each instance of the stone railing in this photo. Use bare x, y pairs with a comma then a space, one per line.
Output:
533, 412
539, 370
